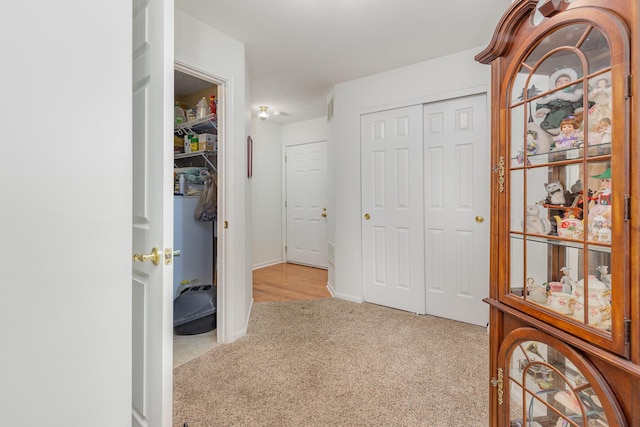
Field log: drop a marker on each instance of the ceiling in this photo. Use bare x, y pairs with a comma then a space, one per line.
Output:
297, 50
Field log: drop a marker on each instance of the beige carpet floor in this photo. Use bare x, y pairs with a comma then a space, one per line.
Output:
331, 362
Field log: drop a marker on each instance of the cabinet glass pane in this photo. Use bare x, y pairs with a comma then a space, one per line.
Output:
547, 389
600, 191
567, 36
600, 91
555, 201
599, 120
517, 275
516, 181
518, 153
596, 49
518, 84
593, 293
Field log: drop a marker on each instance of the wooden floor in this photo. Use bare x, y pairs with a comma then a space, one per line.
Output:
289, 282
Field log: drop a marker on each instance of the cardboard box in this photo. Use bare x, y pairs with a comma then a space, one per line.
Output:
208, 141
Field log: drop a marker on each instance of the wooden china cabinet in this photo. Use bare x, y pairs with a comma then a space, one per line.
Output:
565, 263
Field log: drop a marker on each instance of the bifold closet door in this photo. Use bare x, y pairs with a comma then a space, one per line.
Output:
392, 208
457, 203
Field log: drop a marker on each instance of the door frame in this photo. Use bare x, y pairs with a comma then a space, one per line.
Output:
225, 186
284, 193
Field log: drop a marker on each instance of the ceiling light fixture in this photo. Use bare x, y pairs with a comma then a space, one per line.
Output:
263, 113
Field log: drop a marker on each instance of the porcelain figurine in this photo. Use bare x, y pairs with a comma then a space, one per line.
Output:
561, 302
570, 227
566, 280
569, 136
595, 286
605, 276
561, 103
536, 292
600, 209
533, 223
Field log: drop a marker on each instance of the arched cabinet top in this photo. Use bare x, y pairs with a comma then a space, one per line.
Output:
501, 39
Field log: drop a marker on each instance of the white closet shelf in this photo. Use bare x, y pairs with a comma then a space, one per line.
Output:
203, 125
204, 154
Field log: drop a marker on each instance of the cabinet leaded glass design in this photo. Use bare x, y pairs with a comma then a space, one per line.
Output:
563, 136
551, 385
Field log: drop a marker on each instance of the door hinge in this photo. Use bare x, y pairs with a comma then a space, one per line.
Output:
627, 86
285, 203
627, 208
285, 248
627, 331
499, 383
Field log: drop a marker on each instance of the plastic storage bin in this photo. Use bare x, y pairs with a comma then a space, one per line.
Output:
194, 310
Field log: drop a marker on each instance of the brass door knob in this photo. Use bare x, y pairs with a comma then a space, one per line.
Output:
154, 257
324, 214
367, 216
479, 219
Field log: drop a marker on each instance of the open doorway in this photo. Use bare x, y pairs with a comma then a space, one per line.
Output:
196, 170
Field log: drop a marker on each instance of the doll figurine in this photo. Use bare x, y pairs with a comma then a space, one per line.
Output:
562, 103
601, 98
569, 136
599, 212
601, 133
600, 202
566, 280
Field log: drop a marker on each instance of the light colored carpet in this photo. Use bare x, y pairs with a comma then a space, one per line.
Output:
331, 362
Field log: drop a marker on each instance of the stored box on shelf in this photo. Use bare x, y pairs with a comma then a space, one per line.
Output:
207, 141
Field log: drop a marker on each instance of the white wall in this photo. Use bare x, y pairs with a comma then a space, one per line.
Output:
270, 140
302, 132
429, 80
210, 51
266, 193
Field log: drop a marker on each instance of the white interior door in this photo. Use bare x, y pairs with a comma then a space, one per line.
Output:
306, 172
392, 208
152, 336
457, 173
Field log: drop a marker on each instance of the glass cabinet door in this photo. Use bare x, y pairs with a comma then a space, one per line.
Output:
566, 173
546, 383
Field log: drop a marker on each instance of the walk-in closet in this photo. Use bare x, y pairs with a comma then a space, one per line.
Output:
195, 215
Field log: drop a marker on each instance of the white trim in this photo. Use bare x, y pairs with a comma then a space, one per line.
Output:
283, 189
346, 297
243, 331
267, 263
330, 289
225, 183
474, 90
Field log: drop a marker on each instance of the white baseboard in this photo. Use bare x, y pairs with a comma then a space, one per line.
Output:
345, 296
242, 332
267, 264
330, 289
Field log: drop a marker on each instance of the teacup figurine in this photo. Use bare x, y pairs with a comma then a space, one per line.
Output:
536, 292
561, 302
